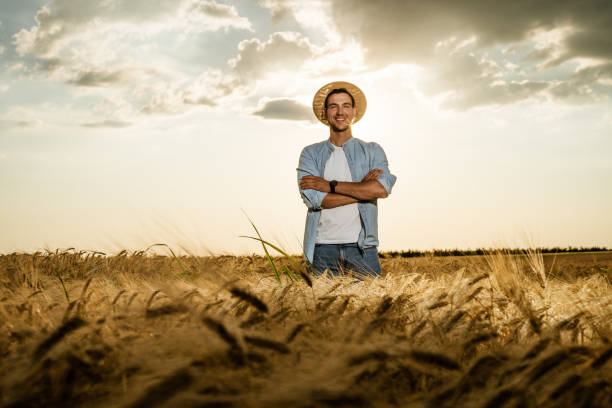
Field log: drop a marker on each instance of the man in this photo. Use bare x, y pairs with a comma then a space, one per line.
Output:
340, 180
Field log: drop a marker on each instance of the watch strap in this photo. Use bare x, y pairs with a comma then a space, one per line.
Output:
332, 186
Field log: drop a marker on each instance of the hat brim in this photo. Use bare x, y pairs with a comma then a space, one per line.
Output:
318, 103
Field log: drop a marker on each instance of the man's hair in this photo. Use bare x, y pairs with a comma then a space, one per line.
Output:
337, 91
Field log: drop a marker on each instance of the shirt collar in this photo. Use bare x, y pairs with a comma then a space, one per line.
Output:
330, 145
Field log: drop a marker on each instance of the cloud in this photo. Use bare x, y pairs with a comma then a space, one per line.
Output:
481, 94
99, 78
542, 36
281, 54
278, 8
220, 11
473, 53
115, 111
113, 44
199, 100
49, 65
255, 60
581, 83
396, 30
79, 44
312, 15
284, 109
105, 45
465, 82
61, 22
283, 51
207, 89
107, 124
166, 101
18, 124
292, 52
211, 86
174, 100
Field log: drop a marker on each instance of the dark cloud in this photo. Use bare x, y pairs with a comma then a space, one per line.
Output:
212, 9
201, 100
494, 94
107, 124
594, 38
580, 83
408, 30
26, 123
49, 65
468, 82
18, 124
96, 78
460, 33
285, 109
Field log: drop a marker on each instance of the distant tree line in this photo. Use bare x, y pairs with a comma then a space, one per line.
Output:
412, 253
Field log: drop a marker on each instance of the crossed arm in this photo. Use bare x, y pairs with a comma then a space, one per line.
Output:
347, 192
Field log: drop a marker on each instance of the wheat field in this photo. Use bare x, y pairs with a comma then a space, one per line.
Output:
139, 330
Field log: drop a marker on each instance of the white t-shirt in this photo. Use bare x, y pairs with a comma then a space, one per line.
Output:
340, 225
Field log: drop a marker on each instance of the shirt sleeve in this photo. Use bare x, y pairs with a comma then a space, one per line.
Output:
379, 161
307, 167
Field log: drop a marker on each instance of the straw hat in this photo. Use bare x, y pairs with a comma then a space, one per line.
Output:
318, 103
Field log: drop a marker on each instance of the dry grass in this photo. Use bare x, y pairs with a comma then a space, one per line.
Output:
136, 330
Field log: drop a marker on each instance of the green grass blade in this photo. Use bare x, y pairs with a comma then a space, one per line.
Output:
297, 265
271, 245
59, 276
263, 244
290, 273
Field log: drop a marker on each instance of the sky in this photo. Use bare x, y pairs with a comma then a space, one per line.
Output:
125, 123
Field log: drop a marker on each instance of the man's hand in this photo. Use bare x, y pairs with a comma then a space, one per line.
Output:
372, 175
315, 183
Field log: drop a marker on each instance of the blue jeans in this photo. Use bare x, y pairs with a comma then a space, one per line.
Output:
337, 258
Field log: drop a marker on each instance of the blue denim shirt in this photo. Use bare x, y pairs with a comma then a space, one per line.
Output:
362, 157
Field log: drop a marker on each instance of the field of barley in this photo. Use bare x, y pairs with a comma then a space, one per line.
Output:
143, 330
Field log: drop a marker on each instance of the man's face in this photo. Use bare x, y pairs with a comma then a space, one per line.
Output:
340, 111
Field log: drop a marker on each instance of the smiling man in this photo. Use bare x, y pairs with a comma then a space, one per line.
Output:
340, 181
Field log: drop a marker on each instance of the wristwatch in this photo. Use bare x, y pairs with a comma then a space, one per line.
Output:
332, 185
